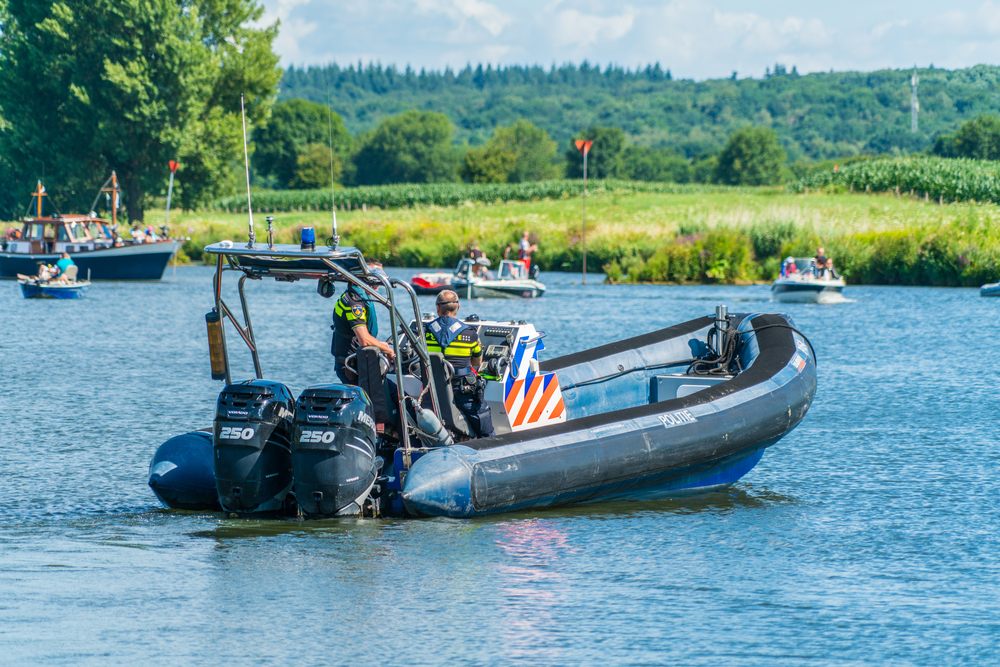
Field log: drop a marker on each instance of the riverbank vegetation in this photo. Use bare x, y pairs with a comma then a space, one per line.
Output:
722, 235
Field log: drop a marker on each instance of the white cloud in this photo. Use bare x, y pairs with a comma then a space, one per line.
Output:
488, 16
574, 28
695, 38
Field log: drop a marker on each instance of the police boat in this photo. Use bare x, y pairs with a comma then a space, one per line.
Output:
685, 409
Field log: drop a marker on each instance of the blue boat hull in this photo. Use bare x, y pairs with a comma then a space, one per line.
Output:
992, 289
48, 291
132, 262
704, 440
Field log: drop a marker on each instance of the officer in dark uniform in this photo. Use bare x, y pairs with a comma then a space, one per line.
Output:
354, 326
460, 345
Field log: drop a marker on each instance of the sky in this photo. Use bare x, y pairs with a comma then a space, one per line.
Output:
695, 39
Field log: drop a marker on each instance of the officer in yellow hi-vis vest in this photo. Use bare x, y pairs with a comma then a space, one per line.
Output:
460, 345
354, 326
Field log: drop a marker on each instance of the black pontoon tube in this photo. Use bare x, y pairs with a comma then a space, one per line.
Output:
636, 451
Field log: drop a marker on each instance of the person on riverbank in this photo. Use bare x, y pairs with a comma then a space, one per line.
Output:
524, 249
459, 343
354, 326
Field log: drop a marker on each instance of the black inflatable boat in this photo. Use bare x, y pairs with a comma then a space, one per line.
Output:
686, 409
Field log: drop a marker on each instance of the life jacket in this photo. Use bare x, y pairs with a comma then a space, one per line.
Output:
444, 331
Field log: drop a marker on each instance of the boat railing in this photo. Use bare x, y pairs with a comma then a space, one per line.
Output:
289, 263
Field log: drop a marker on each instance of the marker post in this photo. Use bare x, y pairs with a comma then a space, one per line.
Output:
170, 191
584, 147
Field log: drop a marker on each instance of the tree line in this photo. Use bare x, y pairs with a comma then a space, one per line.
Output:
293, 151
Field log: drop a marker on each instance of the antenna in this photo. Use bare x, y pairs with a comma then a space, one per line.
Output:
335, 239
246, 161
914, 104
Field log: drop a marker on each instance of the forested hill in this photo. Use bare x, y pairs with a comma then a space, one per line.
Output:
817, 116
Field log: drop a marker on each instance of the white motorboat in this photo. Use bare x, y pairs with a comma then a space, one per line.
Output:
511, 281
801, 282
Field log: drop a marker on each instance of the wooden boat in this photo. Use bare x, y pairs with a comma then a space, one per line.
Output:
92, 242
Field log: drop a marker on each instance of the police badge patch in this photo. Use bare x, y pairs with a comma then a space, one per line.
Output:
358, 311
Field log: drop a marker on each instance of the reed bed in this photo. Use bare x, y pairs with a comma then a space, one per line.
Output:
696, 235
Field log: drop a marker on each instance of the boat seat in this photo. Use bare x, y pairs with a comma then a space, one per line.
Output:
69, 275
453, 419
411, 385
370, 379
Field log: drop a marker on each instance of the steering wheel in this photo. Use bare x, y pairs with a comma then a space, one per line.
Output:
414, 369
351, 364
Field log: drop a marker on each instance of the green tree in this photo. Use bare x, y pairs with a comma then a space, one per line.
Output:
642, 163
94, 85
535, 154
283, 139
979, 139
605, 157
487, 164
752, 156
413, 147
313, 168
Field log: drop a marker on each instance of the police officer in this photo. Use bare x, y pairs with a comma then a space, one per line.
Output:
354, 326
460, 345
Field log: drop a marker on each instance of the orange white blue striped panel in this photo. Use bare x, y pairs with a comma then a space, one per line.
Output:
535, 401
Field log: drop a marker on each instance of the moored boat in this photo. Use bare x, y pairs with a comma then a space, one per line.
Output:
991, 289
92, 242
801, 282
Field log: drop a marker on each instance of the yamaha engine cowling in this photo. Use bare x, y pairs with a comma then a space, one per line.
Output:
333, 453
252, 446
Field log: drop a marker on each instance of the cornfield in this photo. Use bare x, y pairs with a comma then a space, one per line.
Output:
446, 194
942, 179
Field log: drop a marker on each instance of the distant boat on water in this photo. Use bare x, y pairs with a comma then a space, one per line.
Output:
92, 242
991, 289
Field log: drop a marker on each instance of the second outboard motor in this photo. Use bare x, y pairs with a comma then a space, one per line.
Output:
252, 443
333, 453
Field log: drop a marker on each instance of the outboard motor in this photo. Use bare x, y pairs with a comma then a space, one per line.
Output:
333, 453
252, 443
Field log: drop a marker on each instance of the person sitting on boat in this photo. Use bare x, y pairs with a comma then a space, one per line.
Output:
46, 272
819, 266
788, 267
355, 326
476, 254
461, 348
65, 261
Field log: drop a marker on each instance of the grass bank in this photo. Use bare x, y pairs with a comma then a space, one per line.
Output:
725, 236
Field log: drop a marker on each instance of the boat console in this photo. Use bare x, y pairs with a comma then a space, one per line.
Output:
520, 396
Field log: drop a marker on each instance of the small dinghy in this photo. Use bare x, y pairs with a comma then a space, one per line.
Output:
69, 288
992, 289
801, 282
686, 409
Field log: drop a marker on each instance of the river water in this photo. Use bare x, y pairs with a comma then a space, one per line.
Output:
867, 536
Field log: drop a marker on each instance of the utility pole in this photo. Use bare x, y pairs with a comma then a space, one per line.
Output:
584, 147
914, 104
